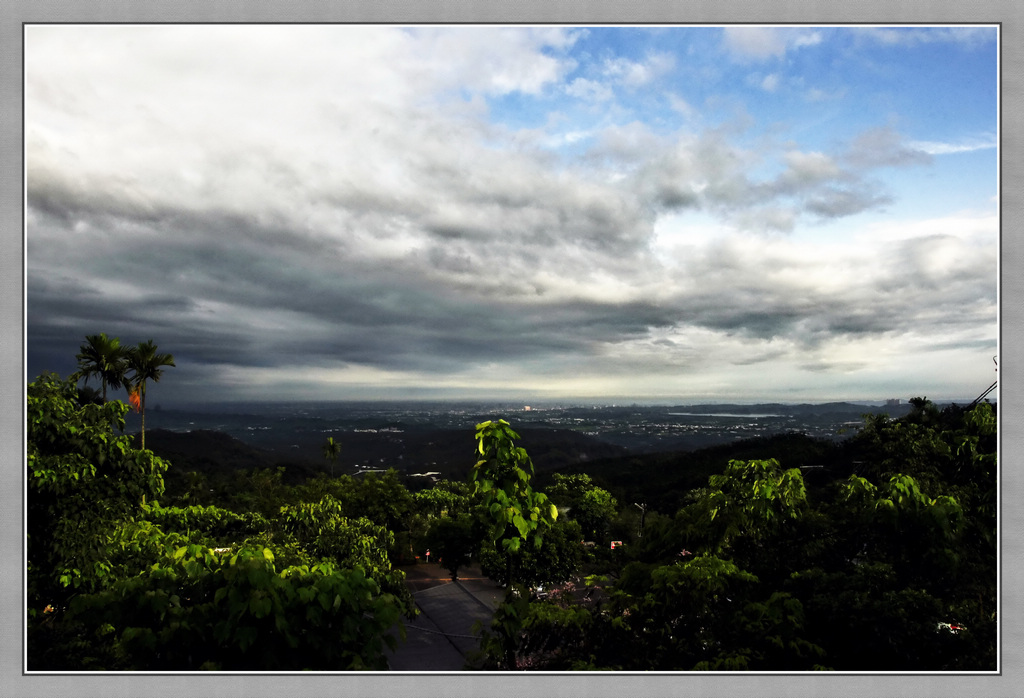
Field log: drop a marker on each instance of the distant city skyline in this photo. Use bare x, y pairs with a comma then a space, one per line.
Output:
666, 214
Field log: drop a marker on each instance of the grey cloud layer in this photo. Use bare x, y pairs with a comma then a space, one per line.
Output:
396, 229
227, 291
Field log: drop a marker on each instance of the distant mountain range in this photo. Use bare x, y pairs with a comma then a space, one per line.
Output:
440, 439
802, 409
448, 452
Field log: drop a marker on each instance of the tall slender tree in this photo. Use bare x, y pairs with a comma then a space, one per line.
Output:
144, 364
331, 450
104, 358
517, 514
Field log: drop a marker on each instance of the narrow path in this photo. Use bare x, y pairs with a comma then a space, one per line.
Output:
442, 636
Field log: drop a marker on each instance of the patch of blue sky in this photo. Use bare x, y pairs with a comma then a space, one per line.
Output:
598, 43
518, 110
818, 93
627, 69
951, 183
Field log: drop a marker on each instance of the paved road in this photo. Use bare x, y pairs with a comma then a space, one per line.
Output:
440, 638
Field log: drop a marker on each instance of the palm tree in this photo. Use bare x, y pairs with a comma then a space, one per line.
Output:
331, 450
145, 364
104, 358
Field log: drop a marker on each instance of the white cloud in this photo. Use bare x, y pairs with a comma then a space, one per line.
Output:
495, 60
814, 166
965, 146
770, 83
976, 228
681, 106
589, 90
818, 95
755, 42
758, 43
812, 38
884, 147
635, 73
621, 72
913, 36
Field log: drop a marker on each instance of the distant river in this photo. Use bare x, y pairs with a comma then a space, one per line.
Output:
723, 414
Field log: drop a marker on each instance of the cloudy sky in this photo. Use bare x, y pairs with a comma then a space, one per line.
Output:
676, 214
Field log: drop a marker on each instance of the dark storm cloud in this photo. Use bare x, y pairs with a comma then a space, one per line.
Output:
925, 284
228, 290
66, 195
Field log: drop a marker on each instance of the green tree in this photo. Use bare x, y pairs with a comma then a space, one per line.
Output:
209, 525
453, 541
145, 364
692, 606
893, 569
911, 446
750, 500
595, 511
593, 507
907, 545
196, 609
83, 482
382, 498
557, 560
89, 395
501, 477
923, 411
331, 450
445, 499
435, 502
118, 585
325, 532
516, 513
260, 490
315, 488
103, 358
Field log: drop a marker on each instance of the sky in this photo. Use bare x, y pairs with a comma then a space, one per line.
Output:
655, 213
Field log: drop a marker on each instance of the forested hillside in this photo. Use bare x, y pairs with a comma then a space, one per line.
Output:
785, 553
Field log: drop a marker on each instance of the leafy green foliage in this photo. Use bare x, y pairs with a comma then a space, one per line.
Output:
435, 502
102, 357
559, 557
516, 513
197, 609
592, 506
502, 476
891, 569
261, 490
216, 526
380, 497
83, 483
118, 582
453, 540
885, 563
322, 529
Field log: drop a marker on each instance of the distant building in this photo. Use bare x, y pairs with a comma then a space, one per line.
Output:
527, 408
893, 402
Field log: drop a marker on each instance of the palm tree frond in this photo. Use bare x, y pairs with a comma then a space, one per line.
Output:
104, 358
145, 364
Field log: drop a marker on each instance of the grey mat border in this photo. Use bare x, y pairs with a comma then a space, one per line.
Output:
14, 13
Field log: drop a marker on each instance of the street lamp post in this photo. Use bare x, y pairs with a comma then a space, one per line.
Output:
643, 513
